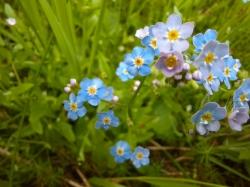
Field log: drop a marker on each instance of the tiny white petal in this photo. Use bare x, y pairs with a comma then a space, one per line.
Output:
141, 33
115, 98
73, 82
11, 21
137, 83
67, 89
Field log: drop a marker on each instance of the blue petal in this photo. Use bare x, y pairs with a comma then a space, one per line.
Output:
210, 34
97, 82
72, 97
66, 105
198, 41
85, 83
144, 70
72, 115
81, 111
219, 113
214, 126
94, 101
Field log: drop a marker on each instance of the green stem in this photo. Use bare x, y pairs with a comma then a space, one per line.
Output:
164, 179
131, 102
96, 37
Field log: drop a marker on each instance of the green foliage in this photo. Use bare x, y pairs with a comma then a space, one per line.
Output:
56, 40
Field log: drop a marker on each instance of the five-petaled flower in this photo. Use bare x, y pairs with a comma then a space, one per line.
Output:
200, 40
120, 151
74, 107
122, 72
93, 90
107, 119
140, 157
212, 54
228, 70
170, 63
172, 35
151, 42
242, 95
207, 119
139, 61
237, 118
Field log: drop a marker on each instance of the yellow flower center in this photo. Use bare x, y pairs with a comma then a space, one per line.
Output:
153, 43
173, 35
209, 58
171, 62
227, 72
73, 106
138, 61
210, 78
106, 120
120, 151
92, 90
139, 155
207, 117
243, 97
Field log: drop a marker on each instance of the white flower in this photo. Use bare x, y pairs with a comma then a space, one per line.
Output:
11, 21
115, 98
142, 33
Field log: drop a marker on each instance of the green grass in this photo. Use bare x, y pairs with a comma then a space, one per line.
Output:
56, 40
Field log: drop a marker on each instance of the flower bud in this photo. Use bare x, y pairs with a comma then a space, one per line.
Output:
137, 83
115, 98
67, 89
178, 77
186, 66
197, 75
73, 82
188, 76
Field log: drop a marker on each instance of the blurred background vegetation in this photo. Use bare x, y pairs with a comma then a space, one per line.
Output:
53, 41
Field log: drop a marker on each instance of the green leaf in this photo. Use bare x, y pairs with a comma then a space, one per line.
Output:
99, 182
244, 155
22, 88
9, 10
66, 131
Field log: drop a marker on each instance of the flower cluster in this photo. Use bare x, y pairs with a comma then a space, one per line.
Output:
214, 61
91, 91
207, 119
121, 152
164, 40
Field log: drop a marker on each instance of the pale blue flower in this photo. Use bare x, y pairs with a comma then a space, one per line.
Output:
74, 107
242, 95
200, 40
140, 157
207, 119
106, 120
121, 151
122, 72
173, 35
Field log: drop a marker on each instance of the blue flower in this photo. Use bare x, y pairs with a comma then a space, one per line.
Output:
139, 60
173, 35
93, 90
228, 71
207, 119
74, 107
210, 79
107, 119
237, 118
151, 42
212, 54
140, 157
242, 95
200, 40
122, 72
120, 151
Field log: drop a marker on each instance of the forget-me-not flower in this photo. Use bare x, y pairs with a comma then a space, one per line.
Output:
207, 119
93, 90
106, 120
228, 71
200, 40
170, 63
212, 54
139, 61
242, 95
140, 157
237, 118
121, 151
74, 107
151, 42
172, 35
122, 72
